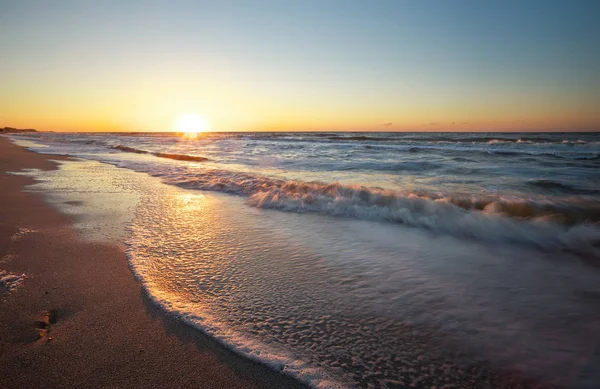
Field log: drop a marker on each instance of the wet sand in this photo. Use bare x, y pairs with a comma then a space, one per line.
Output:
81, 320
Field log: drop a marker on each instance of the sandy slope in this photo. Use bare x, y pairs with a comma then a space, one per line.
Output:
106, 332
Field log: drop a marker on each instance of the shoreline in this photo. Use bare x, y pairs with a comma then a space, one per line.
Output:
107, 332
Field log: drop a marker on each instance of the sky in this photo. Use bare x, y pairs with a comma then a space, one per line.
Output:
286, 65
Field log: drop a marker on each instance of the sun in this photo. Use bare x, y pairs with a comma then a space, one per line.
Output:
192, 124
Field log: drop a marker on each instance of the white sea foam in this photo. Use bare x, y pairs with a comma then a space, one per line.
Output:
491, 219
105, 189
323, 297
372, 300
10, 281
566, 221
277, 358
22, 233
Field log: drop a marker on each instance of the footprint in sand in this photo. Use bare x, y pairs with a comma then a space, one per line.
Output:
44, 323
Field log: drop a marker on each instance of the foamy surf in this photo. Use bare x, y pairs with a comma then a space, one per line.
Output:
553, 212
334, 300
276, 358
570, 225
320, 297
9, 282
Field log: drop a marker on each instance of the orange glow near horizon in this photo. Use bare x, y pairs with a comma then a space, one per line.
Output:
192, 128
103, 67
184, 101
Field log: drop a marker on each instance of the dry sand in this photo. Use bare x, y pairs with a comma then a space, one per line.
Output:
103, 331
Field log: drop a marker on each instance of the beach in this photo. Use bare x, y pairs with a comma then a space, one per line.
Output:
325, 194
270, 260
104, 332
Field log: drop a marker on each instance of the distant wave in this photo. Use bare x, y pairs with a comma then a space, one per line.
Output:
559, 186
130, 149
408, 166
582, 155
557, 139
361, 138
179, 157
539, 147
543, 138
494, 139
566, 225
562, 155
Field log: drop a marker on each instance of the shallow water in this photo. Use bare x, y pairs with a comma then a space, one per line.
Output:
340, 301
459, 163
536, 190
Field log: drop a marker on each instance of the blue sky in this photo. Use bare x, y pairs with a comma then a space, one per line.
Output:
301, 64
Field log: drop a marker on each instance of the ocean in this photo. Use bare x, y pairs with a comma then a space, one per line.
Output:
359, 259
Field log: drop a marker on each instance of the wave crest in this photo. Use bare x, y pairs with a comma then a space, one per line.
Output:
568, 225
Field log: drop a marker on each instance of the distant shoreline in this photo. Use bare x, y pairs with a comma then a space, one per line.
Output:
12, 130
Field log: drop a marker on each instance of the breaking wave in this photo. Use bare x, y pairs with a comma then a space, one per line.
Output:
571, 224
548, 208
498, 149
562, 155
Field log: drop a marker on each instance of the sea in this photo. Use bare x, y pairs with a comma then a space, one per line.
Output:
446, 260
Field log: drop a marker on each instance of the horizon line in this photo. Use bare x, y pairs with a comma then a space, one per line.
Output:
309, 131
